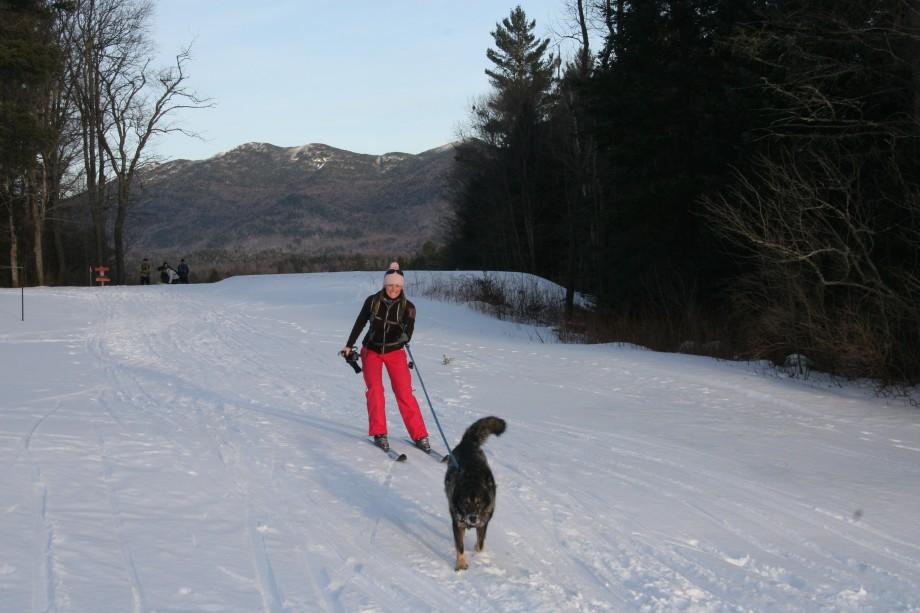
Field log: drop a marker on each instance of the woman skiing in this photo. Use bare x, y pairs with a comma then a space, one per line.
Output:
392, 319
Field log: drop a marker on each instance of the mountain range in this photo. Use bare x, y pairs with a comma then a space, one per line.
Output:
313, 200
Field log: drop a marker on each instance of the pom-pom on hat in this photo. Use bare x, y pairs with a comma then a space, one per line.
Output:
393, 275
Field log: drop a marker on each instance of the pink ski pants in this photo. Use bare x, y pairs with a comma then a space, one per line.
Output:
401, 381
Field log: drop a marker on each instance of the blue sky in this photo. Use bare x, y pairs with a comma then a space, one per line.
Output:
367, 76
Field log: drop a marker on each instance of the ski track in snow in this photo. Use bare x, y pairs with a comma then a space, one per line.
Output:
201, 450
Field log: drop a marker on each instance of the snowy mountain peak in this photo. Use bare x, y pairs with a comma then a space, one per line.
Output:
300, 200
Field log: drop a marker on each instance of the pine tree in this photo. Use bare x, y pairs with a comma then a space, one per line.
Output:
501, 183
522, 76
27, 64
671, 113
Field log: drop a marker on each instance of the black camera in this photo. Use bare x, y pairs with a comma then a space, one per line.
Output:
352, 358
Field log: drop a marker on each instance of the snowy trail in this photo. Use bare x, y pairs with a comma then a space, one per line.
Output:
200, 448
764, 519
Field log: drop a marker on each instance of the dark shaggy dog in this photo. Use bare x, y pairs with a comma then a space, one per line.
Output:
470, 487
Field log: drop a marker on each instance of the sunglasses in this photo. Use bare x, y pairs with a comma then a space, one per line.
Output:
394, 270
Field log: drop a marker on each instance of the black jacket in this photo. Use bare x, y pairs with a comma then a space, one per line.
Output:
392, 323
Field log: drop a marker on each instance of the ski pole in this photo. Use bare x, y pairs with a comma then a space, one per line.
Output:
450, 453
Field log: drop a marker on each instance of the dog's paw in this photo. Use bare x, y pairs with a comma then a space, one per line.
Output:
461, 563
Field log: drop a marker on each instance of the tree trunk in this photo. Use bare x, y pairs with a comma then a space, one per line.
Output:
613, 18
620, 13
92, 188
98, 216
571, 273
36, 202
57, 233
14, 249
517, 250
577, 205
121, 214
528, 206
55, 178
584, 54
59, 152
91, 117
101, 208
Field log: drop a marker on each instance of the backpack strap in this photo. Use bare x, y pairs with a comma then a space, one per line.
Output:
400, 306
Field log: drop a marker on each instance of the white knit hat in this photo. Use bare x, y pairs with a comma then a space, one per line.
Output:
393, 275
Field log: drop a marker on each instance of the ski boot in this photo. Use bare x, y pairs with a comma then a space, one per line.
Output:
423, 444
381, 441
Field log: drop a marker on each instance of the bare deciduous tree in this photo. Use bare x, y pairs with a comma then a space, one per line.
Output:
102, 34
822, 284
830, 212
123, 103
137, 114
805, 216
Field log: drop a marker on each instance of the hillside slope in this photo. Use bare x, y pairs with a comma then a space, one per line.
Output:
308, 200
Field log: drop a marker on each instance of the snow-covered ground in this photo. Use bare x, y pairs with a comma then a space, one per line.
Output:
201, 448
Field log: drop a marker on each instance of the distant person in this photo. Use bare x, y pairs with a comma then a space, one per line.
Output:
164, 275
392, 320
168, 274
183, 271
145, 272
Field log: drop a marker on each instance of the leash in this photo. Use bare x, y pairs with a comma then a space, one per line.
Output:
450, 453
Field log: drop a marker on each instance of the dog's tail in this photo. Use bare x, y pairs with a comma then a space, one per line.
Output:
477, 433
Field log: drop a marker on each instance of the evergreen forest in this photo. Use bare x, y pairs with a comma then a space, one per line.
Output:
737, 178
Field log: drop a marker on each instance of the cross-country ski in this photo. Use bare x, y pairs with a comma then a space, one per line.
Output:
391, 453
431, 453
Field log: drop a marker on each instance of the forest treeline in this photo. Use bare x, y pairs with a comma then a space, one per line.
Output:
742, 176
80, 102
